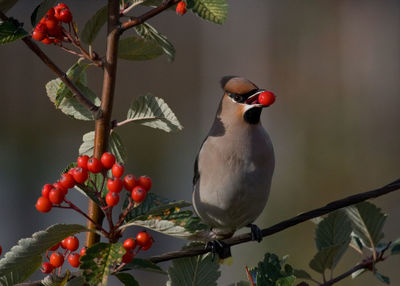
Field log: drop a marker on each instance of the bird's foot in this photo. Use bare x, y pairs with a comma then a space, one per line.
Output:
218, 247
256, 233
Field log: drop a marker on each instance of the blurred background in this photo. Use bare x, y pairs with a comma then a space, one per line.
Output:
334, 65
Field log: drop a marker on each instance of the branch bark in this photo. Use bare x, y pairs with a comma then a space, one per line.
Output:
102, 128
335, 205
47, 61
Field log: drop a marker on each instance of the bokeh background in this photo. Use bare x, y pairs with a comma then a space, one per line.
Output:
334, 65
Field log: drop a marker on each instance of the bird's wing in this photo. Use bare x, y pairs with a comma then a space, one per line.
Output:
196, 175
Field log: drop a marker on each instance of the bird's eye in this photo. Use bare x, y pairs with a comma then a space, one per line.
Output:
238, 98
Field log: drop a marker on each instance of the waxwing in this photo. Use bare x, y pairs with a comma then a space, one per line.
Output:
233, 170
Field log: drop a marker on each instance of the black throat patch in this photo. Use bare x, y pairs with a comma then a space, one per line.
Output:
252, 116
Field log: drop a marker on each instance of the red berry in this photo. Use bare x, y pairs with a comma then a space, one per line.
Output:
80, 175
67, 181
58, 185
71, 243
82, 161
138, 194
47, 268
52, 25
65, 16
55, 247
118, 170
56, 196
83, 251
94, 165
145, 182
61, 6
43, 205
47, 41
51, 12
181, 8
64, 243
143, 238
56, 259
112, 199
73, 259
266, 98
40, 32
128, 257
129, 182
114, 185
46, 189
148, 245
129, 244
108, 160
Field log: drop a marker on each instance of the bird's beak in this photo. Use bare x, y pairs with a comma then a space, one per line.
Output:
253, 100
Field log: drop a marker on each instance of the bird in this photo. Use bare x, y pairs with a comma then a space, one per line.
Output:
234, 167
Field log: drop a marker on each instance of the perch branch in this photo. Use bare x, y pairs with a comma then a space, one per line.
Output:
335, 205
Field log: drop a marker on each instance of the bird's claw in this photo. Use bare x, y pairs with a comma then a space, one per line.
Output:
218, 247
256, 232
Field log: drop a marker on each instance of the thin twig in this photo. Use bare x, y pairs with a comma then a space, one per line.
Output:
128, 9
335, 205
150, 14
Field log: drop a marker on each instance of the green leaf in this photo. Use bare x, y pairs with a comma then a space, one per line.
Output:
395, 247
356, 242
211, 10
382, 278
301, 274
41, 10
199, 270
152, 111
333, 230
150, 33
11, 30
286, 281
25, 258
143, 264
93, 26
325, 258
127, 279
97, 261
115, 146
89, 189
63, 98
138, 49
76, 281
6, 5
367, 221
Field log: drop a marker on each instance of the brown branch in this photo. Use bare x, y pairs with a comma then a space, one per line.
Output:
146, 16
64, 78
102, 128
351, 200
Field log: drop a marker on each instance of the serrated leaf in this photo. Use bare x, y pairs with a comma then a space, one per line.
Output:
200, 270
11, 30
148, 32
93, 26
382, 278
127, 279
286, 281
143, 264
97, 261
333, 230
212, 10
6, 5
152, 111
41, 10
116, 146
23, 259
367, 221
138, 49
358, 273
301, 274
63, 98
325, 258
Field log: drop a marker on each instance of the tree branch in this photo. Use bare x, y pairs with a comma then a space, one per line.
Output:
150, 14
335, 205
64, 78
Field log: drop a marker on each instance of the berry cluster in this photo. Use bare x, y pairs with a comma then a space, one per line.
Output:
57, 258
143, 241
50, 30
54, 194
181, 8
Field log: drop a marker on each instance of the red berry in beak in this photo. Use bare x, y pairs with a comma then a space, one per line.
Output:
266, 98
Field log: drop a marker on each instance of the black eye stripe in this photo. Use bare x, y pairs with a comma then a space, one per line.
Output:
242, 97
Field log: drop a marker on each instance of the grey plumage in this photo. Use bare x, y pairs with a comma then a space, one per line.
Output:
234, 167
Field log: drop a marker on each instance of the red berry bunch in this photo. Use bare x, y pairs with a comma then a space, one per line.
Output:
181, 8
143, 241
49, 29
57, 258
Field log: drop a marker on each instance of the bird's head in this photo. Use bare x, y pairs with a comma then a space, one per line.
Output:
244, 99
